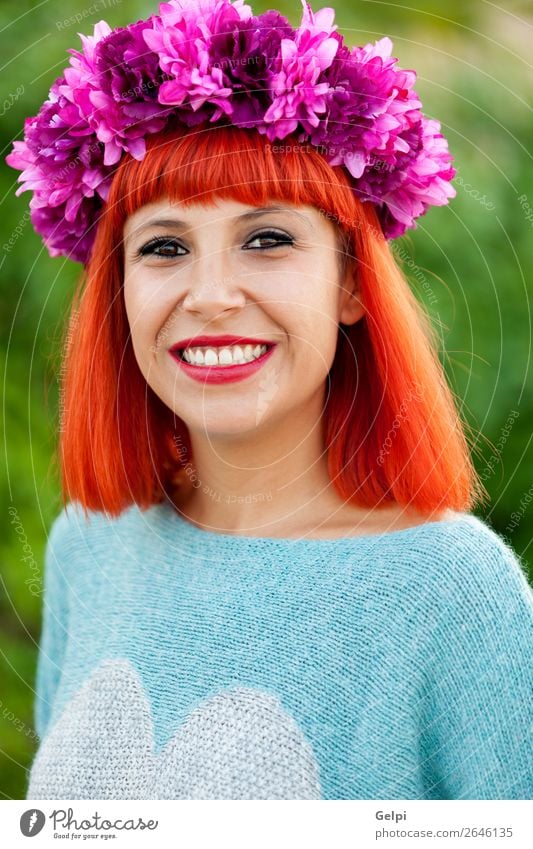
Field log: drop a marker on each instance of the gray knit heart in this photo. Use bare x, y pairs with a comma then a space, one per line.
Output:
237, 744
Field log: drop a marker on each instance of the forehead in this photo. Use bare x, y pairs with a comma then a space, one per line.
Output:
222, 212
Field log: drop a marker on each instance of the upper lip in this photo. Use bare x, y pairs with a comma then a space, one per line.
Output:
217, 342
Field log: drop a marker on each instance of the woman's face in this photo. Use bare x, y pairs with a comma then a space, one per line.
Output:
268, 275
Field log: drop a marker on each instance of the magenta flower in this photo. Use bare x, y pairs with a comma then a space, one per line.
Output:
424, 181
246, 54
62, 164
369, 106
180, 37
128, 73
298, 97
92, 85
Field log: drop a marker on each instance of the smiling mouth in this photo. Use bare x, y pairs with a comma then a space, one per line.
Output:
223, 356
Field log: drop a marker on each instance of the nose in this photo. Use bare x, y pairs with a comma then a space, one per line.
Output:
212, 288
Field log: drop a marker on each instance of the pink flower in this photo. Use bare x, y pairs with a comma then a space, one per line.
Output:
296, 94
423, 182
62, 164
181, 36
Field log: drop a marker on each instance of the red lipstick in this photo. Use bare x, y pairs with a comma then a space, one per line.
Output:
217, 342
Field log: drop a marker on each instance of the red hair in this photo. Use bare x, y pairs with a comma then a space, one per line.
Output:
391, 428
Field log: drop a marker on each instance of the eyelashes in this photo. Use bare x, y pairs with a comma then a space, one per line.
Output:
166, 246
160, 247
273, 235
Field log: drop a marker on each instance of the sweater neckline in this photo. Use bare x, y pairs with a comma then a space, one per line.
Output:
220, 542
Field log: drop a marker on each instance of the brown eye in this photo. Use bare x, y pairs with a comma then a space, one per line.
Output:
274, 238
161, 247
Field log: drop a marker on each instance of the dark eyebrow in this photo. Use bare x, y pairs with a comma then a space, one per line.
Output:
176, 224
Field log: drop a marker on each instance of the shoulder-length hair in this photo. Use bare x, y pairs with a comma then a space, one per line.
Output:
390, 425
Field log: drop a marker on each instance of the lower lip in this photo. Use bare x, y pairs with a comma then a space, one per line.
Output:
222, 374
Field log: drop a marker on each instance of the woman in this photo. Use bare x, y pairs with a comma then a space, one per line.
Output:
267, 582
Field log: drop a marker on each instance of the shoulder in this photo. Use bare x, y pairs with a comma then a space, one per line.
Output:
450, 562
462, 542
76, 520
467, 568
76, 533
68, 524
472, 549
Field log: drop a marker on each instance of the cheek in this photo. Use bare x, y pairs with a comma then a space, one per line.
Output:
144, 310
134, 305
142, 321
315, 306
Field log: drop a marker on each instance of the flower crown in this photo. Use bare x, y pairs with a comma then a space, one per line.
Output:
213, 61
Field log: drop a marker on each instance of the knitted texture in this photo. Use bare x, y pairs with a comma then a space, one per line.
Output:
179, 663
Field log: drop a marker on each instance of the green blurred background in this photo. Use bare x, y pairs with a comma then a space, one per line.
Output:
470, 265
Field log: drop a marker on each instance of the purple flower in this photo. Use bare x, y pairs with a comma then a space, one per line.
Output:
74, 241
62, 164
120, 126
420, 178
369, 106
180, 37
248, 55
297, 96
422, 181
272, 28
126, 67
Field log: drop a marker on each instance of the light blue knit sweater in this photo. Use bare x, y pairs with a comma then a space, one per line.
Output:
179, 663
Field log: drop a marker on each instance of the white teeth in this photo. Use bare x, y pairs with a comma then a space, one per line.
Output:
223, 356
